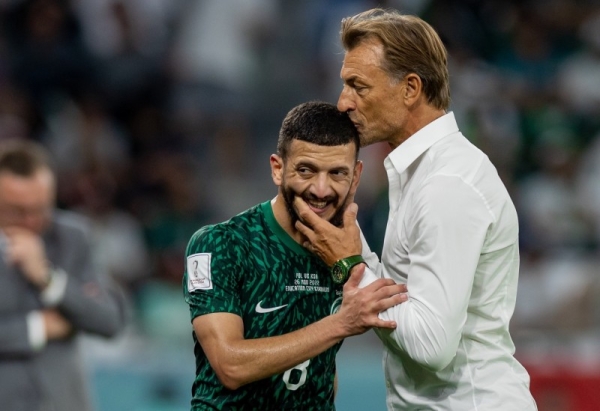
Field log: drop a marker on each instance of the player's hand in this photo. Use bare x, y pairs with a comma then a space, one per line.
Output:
26, 250
361, 306
324, 239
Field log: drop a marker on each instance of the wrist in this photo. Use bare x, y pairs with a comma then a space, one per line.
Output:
55, 291
340, 270
45, 279
339, 328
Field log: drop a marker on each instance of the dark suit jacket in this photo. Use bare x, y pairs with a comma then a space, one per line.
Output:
53, 379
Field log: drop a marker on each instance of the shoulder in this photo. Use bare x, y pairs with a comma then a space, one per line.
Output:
455, 155
457, 172
238, 231
70, 222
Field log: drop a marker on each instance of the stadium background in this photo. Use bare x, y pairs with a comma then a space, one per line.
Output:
162, 114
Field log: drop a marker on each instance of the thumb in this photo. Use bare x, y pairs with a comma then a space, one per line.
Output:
350, 215
356, 274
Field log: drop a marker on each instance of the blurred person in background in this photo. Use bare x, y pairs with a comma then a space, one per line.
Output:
268, 316
452, 231
50, 291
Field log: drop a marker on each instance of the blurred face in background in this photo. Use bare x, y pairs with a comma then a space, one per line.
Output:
27, 201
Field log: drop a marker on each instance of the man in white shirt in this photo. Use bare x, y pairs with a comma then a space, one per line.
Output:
452, 231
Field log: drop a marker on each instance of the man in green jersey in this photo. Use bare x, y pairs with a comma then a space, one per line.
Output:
268, 315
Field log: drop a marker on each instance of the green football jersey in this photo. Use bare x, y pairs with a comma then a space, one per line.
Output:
251, 267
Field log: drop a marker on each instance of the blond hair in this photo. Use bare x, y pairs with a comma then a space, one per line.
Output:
410, 45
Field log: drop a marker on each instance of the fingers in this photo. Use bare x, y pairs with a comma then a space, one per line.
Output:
380, 290
395, 289
305, 213
390, 325
386, 294
385, 283
362, 306
383, 305
390, 302
350, 215
11, 230
305, 231
356, 274
308, 216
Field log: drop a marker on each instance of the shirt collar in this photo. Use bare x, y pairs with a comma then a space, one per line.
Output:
407, 152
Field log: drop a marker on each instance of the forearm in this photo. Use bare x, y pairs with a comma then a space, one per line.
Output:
422, 333
92, 307
15, 336
242, 361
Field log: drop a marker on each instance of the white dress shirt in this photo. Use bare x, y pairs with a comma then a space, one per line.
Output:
452, 237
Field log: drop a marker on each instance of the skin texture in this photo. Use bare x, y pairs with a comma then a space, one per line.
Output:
25, 210
317, 174
324, 173
26, 205
383, 109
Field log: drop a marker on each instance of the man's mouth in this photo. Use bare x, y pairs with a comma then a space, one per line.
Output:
318, 204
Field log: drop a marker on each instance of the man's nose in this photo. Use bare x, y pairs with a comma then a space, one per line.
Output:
321, 186
345, 102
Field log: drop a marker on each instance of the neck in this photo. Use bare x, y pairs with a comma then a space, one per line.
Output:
416, 120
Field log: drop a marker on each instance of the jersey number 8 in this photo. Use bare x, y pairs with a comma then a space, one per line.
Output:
303, 369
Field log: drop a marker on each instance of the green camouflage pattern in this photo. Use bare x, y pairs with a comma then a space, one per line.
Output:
253, 260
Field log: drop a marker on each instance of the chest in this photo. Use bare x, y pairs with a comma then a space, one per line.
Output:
286, 294
16, 294
400, 232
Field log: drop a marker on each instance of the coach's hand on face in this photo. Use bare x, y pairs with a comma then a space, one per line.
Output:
329, 242
26, 250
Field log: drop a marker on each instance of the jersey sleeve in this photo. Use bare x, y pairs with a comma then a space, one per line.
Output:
213, 270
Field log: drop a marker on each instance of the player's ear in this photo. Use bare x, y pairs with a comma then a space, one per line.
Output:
276, 169
413, 89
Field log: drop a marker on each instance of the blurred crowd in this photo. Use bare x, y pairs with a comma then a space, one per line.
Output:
161, 115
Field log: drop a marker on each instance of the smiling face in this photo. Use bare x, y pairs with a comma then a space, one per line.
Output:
326, 177
373, 99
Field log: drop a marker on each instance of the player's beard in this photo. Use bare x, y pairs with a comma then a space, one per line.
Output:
288, 194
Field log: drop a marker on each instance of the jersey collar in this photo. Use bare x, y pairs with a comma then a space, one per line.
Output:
279, 232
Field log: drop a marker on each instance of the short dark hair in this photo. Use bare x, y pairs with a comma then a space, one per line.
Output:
319, 123
23, 157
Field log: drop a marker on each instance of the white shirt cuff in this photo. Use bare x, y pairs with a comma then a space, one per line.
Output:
55, 291
36, 330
